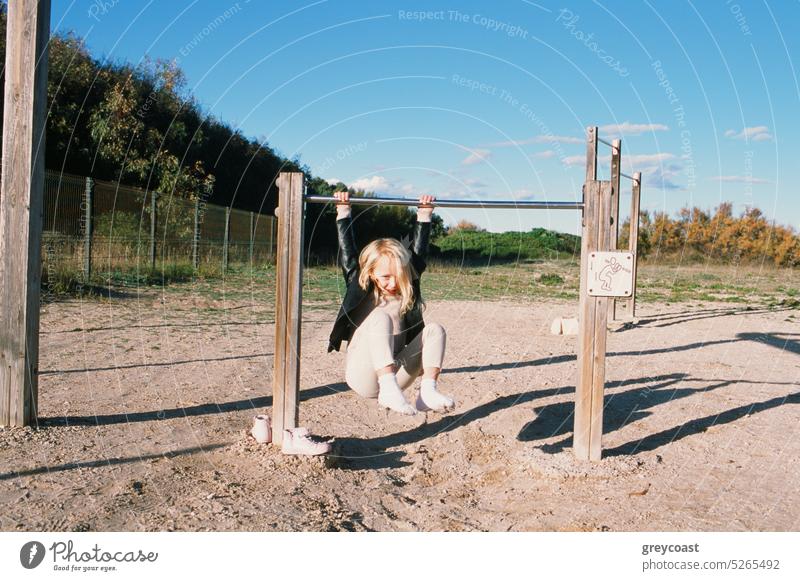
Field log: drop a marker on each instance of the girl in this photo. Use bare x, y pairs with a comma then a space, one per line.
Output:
388, 344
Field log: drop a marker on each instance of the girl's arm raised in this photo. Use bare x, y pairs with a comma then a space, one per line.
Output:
348, 254
422, 233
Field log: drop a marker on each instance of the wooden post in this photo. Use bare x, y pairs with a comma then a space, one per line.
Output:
591, 155
288, 304
153, 222
87, 227
593, 318
21, 208
272, 220
616, 163
196, 235
226, 239
627, 306
252, 236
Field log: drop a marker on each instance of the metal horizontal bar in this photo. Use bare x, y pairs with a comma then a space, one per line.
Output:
633, 179
601, 140
492, 204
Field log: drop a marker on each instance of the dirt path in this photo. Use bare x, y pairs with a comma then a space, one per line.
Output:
144, 401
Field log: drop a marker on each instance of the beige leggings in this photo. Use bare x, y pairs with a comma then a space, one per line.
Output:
372, 348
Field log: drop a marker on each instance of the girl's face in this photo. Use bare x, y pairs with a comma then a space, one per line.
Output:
385, 275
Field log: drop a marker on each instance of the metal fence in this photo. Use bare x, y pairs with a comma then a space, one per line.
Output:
93, 226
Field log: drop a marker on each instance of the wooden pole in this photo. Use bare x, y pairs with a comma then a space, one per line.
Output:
628, 305
226, 239
591, 154
87, 227
153, 223
21, 208
616, 163
593, 318
252, 237
288, 304
196, 235
272, 220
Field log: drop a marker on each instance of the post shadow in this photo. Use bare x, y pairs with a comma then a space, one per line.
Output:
372, 453
699, 425
106, 462
186, 412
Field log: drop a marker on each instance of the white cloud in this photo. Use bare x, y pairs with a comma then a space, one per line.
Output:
473, 183
662, 176
573, 160
645, 159
628, 128
537, 139
739, 179
383, 186
333, 181
547, 154
371, 184
758, 133
477, 156
642, 162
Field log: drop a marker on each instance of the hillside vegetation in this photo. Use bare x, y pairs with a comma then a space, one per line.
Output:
718, 236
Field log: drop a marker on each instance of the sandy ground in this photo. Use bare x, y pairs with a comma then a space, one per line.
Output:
144, 400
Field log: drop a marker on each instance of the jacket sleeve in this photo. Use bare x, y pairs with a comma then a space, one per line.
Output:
419, 250
348, 254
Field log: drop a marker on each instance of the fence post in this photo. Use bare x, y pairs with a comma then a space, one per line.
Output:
288, 304
88, 224
252, 235
225, 241
272, 220
153, 209
196, 234
628, 305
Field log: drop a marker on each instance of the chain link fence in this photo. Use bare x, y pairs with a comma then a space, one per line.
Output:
98, 228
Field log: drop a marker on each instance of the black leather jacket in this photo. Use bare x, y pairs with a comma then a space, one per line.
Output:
345, 325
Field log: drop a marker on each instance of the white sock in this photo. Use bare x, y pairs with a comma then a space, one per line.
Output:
390, 396
431, 398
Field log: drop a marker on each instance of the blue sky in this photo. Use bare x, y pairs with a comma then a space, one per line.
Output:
482, 100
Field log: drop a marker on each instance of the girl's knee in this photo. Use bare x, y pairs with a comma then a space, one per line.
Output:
434, 330
364, 386
378, 321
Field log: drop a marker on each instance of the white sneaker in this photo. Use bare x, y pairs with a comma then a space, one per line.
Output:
297, 441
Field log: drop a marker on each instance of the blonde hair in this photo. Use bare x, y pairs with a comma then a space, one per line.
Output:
368, 260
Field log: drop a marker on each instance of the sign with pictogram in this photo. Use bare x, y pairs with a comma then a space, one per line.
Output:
610, 274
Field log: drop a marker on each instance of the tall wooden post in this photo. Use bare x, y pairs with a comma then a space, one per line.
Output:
593, 318
288, 304
593, 313
196, 235
88, 225
627, 306
616, 163
226, 239
153, 223
21, 208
